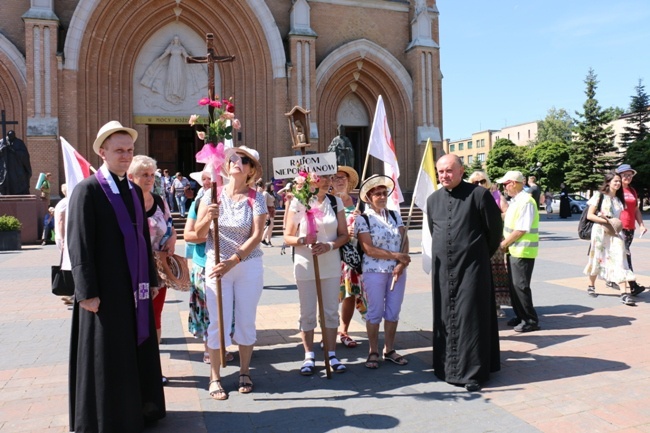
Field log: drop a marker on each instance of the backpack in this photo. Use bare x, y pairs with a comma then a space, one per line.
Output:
585, 225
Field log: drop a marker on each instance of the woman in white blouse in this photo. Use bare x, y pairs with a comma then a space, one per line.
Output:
332, 233
380, 232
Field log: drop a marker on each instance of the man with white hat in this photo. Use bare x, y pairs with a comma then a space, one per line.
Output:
521, 233
115, 374
630, 216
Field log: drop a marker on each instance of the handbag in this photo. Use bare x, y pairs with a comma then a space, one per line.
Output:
350, 255
62, 281
189, 192
585, 225
172, 271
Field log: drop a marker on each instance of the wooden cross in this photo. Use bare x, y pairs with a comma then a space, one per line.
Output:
6, 122
210, 59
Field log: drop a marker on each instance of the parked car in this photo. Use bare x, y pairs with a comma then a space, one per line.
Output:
577, 202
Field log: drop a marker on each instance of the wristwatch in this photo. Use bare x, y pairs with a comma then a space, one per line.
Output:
301, 241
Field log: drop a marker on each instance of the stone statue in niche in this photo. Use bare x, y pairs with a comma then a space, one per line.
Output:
343, 148
170, 76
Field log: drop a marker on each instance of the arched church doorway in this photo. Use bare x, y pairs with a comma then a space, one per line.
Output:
174, 147
354, 118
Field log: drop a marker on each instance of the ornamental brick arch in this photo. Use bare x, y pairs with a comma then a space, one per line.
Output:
118, 32
367, 70
13, 86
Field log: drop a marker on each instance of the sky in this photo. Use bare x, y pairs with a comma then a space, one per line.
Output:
507, 62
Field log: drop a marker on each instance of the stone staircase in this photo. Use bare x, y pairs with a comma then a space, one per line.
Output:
416, 220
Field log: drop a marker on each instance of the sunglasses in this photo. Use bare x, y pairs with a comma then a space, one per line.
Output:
244, 159
479, 182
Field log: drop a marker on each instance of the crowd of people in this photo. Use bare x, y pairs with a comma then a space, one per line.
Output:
485, 240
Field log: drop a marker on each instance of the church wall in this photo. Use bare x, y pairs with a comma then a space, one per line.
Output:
11, 23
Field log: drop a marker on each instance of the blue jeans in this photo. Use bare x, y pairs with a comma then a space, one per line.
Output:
180, 201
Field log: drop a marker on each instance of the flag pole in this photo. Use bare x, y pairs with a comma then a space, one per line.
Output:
365, 164
408, 219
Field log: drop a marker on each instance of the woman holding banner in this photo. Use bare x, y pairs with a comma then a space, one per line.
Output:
305, 213
380, 232
241, 212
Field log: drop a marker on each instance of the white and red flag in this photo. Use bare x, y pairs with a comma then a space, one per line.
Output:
76, 167
381, 146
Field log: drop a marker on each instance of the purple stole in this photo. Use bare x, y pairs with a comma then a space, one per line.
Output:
135, 246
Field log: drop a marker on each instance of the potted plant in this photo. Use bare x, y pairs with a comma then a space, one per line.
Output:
9, 233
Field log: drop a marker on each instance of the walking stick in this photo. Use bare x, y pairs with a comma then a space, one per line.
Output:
321, 314
217, 259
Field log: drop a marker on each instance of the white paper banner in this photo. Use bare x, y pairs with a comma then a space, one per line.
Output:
287, 167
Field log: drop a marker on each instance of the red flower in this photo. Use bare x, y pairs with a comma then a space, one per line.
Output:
230, 108
215, 104
204, 101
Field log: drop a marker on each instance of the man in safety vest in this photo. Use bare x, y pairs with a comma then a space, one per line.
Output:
521, 242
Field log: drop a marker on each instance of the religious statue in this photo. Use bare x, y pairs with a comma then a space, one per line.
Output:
300, 134
15, 168
343, 148
169, 74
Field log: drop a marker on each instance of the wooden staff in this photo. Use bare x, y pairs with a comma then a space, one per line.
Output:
321, 314
217, 259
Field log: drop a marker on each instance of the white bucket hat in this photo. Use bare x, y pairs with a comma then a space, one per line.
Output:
111, 128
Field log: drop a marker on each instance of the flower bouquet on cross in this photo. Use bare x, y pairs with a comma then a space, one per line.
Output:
219, 124
218, 127
303, 188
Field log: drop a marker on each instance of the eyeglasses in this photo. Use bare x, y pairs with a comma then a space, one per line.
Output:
380, 194
630, 175
340, 177
480, 182
244, 159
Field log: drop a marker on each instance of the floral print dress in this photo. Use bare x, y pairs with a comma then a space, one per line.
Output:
607, 253
350, 279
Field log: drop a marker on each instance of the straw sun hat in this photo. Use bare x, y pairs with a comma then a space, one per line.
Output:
111, 128
251, 153
353, 176
374, 181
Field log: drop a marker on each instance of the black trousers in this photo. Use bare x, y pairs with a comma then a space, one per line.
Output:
520, 272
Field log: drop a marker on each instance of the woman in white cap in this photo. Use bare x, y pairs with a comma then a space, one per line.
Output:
351, 293
142, 172
241, 213
607, 251
630, 217
380, 232
332, 233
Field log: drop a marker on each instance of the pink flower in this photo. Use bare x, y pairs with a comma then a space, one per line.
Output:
298, 186
313, 177
300, 180
193, 119
312, 189
228, 116
201, 135
236, 124
215, 104
204, 101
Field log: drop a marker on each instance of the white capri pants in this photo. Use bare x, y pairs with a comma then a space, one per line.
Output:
241, 289
309, 303
382, 302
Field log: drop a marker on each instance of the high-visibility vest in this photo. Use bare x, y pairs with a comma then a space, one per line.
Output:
525, 247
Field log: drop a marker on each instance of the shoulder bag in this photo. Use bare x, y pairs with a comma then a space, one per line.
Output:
585, 225
62, 282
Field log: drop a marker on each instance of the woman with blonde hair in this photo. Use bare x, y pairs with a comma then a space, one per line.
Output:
500, 279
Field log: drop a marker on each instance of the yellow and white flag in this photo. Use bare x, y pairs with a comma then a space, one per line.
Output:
426, 184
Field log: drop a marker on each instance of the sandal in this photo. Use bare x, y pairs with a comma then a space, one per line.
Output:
245, 387
308, 367
347, 340
373, 361
336, 365
395, 358
219, 393
591, 291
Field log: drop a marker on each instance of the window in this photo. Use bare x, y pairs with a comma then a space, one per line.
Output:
461, 146
469, 145
470, 159
452, 147
481, 157
482, 142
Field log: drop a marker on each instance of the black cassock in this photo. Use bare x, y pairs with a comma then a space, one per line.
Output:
466, 229
15, 168
115, 385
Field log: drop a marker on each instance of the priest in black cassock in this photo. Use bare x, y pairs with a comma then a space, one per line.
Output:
115, 375
466, 229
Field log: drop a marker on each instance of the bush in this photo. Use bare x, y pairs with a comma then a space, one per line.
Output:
9, 223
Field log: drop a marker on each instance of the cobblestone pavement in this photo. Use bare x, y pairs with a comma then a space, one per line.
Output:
587, 370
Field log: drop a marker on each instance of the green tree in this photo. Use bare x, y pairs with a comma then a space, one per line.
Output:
553, 157
637, 122
476, 166
638, 156
504, 156
556, 127
593, 152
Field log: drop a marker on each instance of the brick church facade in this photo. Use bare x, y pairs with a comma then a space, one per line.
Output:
69, 66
